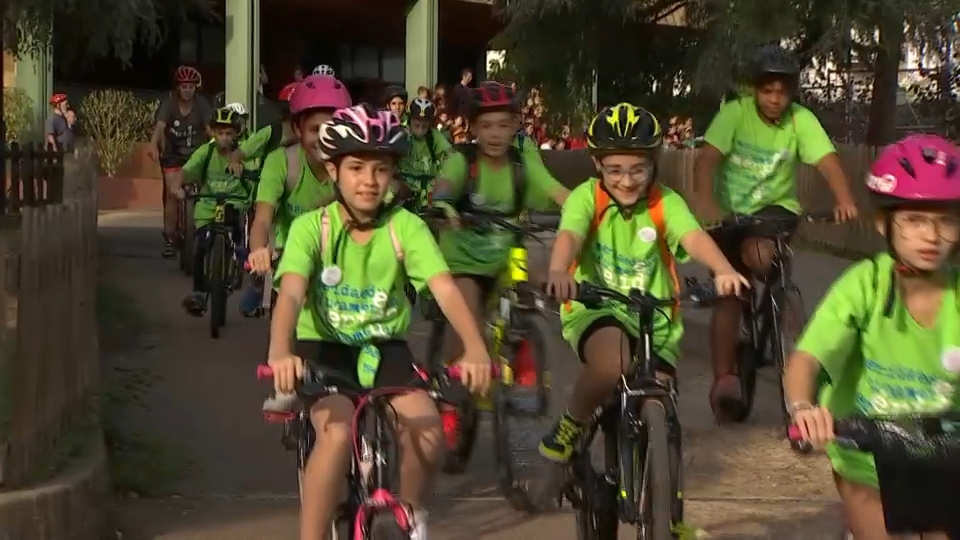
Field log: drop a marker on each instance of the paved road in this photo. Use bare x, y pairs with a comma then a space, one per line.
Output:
741, 481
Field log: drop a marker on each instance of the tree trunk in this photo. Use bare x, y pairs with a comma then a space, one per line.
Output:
886, 73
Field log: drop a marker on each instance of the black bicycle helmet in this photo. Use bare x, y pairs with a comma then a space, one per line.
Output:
774, 61
422, 108
492, 96
394, 91
226, 117
624, 128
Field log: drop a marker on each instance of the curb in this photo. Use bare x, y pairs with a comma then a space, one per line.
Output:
71, 506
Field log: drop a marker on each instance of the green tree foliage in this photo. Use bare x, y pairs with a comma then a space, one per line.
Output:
841, 32
99, 28
559, 45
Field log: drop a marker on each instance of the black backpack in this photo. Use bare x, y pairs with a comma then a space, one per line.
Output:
470, 152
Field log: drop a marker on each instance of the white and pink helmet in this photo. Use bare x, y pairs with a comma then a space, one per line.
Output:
363, 129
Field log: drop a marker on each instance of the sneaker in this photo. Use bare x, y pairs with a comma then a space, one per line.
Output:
250, 301
195, 304
280, 403
168, 250
558, 445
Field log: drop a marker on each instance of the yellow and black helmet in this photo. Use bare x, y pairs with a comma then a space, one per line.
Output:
624, 128
226, 117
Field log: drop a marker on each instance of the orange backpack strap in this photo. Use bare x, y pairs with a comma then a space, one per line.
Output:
655, 207
601, 201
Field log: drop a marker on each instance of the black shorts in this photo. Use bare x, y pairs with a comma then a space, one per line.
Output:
487, 284
659, 364
396, 360
731, 240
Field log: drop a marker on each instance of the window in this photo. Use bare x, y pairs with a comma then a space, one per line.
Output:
188, 43
393, 66
212, 45
366, 62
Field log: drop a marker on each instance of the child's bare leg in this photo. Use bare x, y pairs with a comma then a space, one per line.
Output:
325, 473
421, 450
864, 513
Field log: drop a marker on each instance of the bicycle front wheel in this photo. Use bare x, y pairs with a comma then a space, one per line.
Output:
656, 488
789, 319
520, 415
216, 284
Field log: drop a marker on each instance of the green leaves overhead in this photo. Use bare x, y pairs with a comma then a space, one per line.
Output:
97, 27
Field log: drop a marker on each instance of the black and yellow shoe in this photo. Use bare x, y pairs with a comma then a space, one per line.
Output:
559, 444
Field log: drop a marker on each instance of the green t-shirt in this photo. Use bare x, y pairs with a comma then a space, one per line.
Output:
485, 254
759, 168
623, 254
255, 146
419, 160
369, 302
529, 149
878, 365
308, 195
216, 181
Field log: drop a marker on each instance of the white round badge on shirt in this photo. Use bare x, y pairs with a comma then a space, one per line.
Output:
951, 359
331, 276
647, 234
477, 199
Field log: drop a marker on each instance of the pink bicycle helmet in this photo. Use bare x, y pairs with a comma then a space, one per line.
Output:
918, 168
362, 129
319, 92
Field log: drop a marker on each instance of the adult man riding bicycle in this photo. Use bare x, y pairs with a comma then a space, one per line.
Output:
754, 145
181, 127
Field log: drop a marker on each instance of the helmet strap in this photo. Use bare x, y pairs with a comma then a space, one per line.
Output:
901, 266
628, 210
365, 225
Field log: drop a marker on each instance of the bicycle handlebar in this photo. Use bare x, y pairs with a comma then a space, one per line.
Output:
739, 220
320, 386
526, 229
639, 301
857, 433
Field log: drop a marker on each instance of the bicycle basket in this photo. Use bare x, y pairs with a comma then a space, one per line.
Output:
918, 467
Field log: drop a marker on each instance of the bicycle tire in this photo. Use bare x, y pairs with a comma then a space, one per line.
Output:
598, 510
216, 286
384, 526
515, 480
657, 498
784, 342
748, 362
188, 241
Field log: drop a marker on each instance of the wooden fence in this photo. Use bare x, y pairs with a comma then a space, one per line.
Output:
33, 176
48, 343
676, 171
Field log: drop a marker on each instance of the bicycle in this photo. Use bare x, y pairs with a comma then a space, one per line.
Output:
773, 317
641, 483
372, 509
918, 466
420, 185
222, 268
516, 338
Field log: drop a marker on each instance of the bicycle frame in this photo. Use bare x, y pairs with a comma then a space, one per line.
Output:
767, 303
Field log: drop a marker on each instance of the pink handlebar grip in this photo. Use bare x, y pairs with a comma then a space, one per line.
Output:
794, 433
454, 372
247, 266
264, 372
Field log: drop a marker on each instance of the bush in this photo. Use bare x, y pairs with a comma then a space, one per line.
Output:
115, 121
17, 112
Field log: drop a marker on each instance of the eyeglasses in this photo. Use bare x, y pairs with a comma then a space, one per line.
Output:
918, 225
639, 173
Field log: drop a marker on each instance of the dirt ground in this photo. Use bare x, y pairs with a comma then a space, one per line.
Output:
742, 482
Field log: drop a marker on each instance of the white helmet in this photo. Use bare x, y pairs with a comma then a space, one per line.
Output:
324, 70
237, 108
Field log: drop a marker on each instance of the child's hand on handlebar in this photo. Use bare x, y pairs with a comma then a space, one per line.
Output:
815, 423
475, 370
561, 285
287, 370
260, 260
730, 283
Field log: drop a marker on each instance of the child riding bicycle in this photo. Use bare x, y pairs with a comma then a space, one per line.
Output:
754, 145
207, 167
493, 176
428, 147
622, 230
341, 306
886, 337
294, 179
